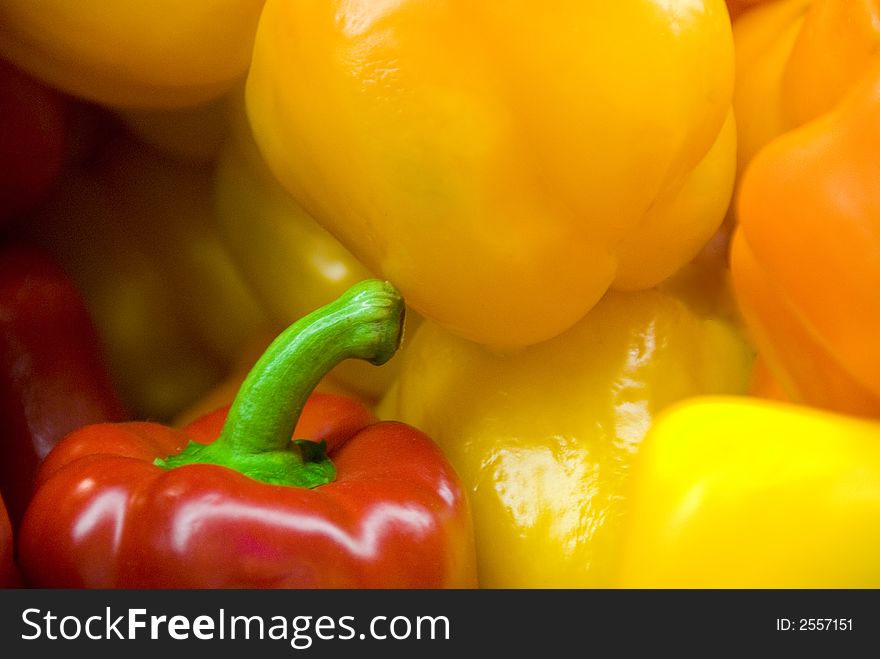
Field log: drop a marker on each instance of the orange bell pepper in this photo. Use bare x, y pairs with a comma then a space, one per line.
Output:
795, 59
763, 384
736, 7
806, 255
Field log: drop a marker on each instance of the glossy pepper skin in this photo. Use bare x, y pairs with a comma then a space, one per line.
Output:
734, 492
53, 373
136, 505
795, 59
543, 438
506, 184
140, 54
805, 258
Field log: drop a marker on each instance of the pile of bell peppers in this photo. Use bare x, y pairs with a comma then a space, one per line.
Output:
294, 295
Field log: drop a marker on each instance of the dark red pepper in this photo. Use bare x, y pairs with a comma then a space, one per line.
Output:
9, 575
33, 137
53, 378
141, 505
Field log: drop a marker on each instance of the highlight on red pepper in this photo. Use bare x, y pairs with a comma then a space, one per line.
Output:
53, 375
233, 501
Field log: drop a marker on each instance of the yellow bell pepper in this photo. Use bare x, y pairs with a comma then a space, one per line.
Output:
291, 263
741, 493
133, 54
543, 437
504, 164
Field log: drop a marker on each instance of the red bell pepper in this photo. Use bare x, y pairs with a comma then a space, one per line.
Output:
53, 378
33, 138
140, 505
9, 576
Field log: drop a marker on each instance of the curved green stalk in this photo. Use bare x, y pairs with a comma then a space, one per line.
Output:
366, 322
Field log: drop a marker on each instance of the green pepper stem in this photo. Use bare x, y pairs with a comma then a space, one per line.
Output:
366, 322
